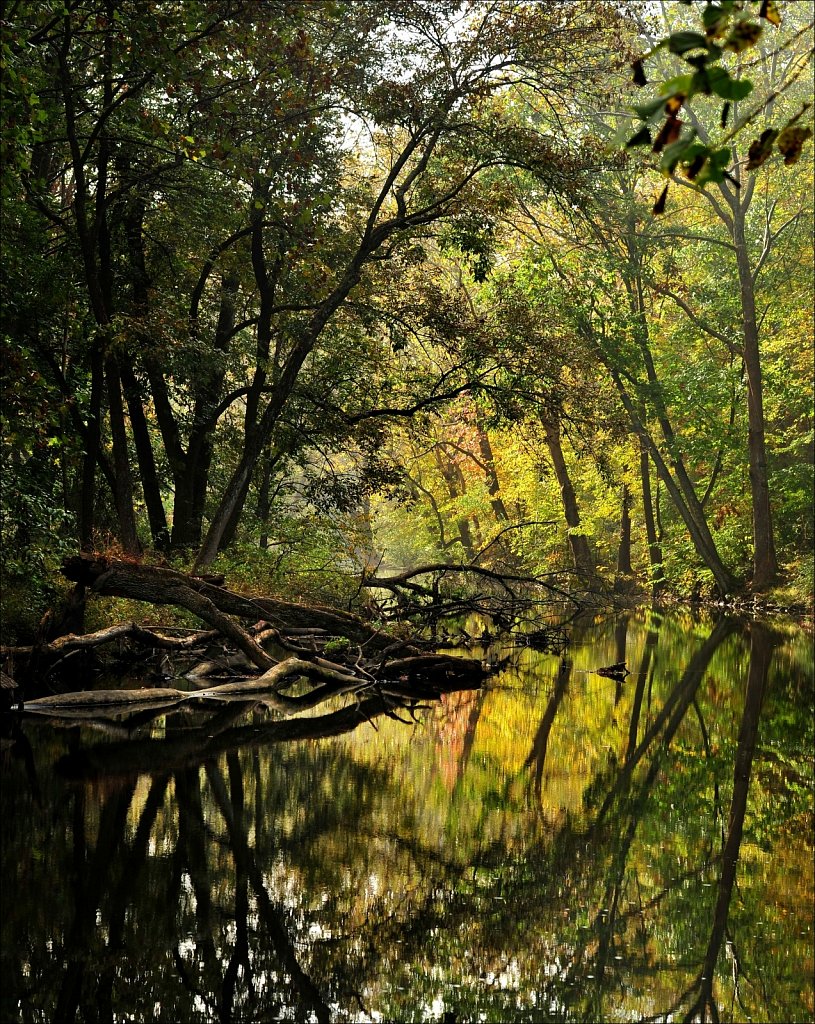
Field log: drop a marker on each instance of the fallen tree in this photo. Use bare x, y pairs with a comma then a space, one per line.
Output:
270, 644
215, 605
266, 645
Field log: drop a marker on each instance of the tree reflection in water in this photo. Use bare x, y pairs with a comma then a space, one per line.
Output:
575, 866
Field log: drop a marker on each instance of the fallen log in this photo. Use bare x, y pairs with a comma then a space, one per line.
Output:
157, 585
97, 698
215, 604
121, 631
331, 649
89, 702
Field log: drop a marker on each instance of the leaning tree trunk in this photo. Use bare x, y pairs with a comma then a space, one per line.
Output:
151, 487
702, 541
654, 548
578, 542
133, 223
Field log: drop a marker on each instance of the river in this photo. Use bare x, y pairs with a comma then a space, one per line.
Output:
556, 846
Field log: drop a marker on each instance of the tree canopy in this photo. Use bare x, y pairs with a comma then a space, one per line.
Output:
292, 286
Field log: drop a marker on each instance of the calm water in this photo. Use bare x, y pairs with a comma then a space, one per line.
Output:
558, 846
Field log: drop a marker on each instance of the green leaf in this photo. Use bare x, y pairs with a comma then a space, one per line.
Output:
694, 150
680, 83
715, 168
648, 111
674, 153
714, 18
642, 138
681, 42
729, 88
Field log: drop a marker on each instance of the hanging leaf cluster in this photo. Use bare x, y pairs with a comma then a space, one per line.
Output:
728, 26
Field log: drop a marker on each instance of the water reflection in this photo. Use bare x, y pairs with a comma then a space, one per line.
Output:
558, 846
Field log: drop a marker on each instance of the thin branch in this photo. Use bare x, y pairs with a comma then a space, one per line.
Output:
697, 321
513, 526
769, 240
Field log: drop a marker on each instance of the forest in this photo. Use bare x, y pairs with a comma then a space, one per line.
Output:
407, 511
381, 305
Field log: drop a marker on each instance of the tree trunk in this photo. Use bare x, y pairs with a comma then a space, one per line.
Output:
151, 488
264, 505
237, 487
765, 564
87, 507
488, 461
165, 586
702, 541
692, 502
200, 448
266, 494
231, 527
624, 550
578, 542
654, 549
455, 490
123, 493
133, 223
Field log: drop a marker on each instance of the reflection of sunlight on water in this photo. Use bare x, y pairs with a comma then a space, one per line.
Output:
434, 1010
508, 979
